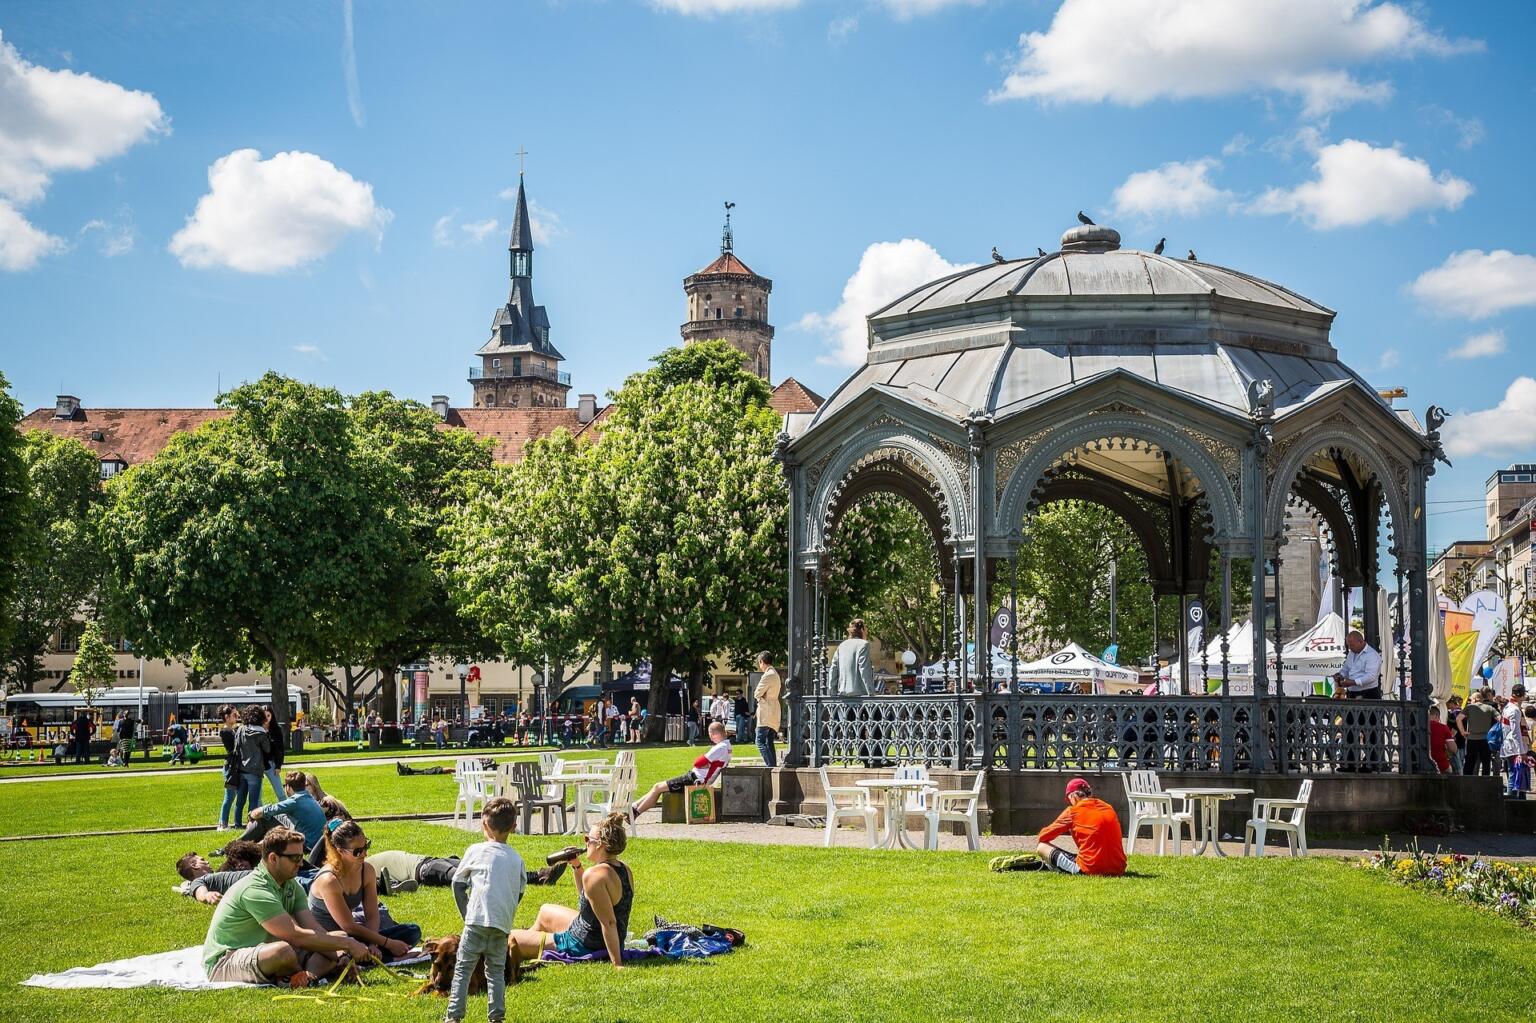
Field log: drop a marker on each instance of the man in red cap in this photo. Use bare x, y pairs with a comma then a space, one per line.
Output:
1095, 830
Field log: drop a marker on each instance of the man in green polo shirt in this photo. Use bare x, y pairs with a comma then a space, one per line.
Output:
263, 931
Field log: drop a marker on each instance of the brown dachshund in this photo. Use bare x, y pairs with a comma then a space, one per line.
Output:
444, 953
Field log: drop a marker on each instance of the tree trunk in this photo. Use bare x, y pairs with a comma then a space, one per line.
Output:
280, 689
656, 699
389, 695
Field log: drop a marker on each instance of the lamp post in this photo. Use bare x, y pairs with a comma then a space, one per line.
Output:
462, 670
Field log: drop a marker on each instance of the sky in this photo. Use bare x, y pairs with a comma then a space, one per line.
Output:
193, 194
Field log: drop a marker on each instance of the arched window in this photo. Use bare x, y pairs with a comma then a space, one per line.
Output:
719, 314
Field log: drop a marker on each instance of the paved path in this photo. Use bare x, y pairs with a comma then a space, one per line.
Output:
304, 765
1514, 848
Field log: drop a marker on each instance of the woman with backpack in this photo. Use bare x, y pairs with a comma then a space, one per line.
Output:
275, 748
252, 748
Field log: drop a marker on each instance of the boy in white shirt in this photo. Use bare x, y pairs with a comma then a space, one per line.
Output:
487, 886
703, 771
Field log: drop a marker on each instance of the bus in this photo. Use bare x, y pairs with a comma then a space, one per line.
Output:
44, 719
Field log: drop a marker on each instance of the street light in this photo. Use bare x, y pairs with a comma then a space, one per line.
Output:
462, 670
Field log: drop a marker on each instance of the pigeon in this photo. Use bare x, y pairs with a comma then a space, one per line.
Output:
1082, 218
1040, 252
997, 257
1191, 256
1157, 250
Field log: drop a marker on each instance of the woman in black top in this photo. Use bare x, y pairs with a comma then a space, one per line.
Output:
275, 756
228, 721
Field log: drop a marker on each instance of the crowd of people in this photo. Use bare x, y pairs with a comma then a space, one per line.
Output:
1491, 735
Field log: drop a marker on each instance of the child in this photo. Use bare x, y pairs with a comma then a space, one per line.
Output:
115, 758
487, 886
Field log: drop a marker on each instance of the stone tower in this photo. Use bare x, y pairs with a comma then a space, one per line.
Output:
519, 368
727, 300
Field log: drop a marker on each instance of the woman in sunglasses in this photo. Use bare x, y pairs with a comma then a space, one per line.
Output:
344, 896
606, 891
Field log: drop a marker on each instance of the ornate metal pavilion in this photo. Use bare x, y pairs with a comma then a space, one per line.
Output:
1199, 403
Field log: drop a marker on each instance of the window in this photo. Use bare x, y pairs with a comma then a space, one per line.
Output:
1522, 477
69, 637
490, 400
738, 312
111, 467
513, 402
517, 365
719, 314
496, 362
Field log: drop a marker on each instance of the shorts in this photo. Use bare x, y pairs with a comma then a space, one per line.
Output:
1064, 861
239, 966
682, 781
568, 944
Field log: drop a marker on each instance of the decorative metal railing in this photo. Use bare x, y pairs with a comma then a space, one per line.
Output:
1107, 733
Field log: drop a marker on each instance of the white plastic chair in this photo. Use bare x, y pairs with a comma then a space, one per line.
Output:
852, 802
475, 785
916, 801
1149, 806
957, 806
619, 794
1268, 815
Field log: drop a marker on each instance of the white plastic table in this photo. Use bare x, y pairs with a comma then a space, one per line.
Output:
584, 783
1207, 807
896, 789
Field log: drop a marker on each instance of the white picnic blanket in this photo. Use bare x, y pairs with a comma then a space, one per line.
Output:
180, 968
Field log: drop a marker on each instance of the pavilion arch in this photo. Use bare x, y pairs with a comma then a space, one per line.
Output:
1120, 432
1346, 445
877, 474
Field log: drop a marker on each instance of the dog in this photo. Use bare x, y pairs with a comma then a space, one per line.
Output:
445, 952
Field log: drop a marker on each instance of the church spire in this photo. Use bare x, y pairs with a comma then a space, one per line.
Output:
521, 242
726, 241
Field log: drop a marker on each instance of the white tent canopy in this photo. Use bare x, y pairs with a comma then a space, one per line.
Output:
1073, 663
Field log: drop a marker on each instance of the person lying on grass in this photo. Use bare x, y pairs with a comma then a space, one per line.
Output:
344, 896
1094, 829
703, 772
263, 931
606, 891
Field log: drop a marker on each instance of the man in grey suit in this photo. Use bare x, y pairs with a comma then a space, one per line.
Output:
852, 673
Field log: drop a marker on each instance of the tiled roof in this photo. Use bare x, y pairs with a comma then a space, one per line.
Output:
728, 264
513, 429
793, 396
132, 435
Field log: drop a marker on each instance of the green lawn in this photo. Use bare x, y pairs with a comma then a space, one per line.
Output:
118, 804
848, 934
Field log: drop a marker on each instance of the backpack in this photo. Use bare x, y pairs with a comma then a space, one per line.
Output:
1496, 735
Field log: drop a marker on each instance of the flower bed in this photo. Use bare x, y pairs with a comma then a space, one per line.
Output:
1505, 888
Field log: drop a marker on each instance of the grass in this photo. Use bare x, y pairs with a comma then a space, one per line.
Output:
126, 803
846, 934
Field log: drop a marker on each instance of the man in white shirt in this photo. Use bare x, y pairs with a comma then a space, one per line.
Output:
704, 770
1517, 740
1360, 677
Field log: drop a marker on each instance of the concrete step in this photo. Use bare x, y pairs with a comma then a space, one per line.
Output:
1520, 816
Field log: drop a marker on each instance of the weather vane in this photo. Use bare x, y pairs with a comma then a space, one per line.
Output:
725, 236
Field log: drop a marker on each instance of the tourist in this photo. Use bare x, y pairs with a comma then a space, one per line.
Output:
177, 734
115, 757
769, 688
1456, 720
703, 771
1441, 741
691, 722
1476, 720
852, 673
611, 716
82, 728
1094, 829
605, 890
1516, 742
1528, 761
208, 886
275, 752
344, 896
742, 711
263, 931
720, 708
124, 729
251, 745
229, 721
299, 807
487, 887
636, 720
1360, 677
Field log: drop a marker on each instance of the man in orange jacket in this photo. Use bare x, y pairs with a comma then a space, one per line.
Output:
1095, 830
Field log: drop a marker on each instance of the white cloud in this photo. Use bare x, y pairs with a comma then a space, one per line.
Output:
1478, 284
1480, 346
264, 216
544, 223
1181, 189
442, 229
710, 8
1358, 183
1508, 426
841, 28
1132, 52
53, 121
1390, 359
905, 10
349, 66
21, 244
887, 270
311, 351
117, 235
1237, 145
479, 229
1469, 130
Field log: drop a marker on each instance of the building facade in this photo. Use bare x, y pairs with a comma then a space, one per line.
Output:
728, 300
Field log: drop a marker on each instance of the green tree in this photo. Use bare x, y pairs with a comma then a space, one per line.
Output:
15, 498
61, 558
692, 549
522, 557
95, 666
884, 569
268, 536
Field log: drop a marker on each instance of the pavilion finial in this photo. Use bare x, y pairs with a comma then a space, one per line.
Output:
726, 241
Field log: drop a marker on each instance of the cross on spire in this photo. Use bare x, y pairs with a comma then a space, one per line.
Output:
521, 154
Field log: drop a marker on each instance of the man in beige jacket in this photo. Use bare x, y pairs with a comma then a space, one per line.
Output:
767, 694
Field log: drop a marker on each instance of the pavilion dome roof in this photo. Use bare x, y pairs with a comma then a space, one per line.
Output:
1006, 335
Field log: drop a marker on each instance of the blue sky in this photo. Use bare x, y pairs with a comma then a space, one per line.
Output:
1345, 149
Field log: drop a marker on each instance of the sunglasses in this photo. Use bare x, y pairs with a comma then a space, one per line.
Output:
360, 850
297, 857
